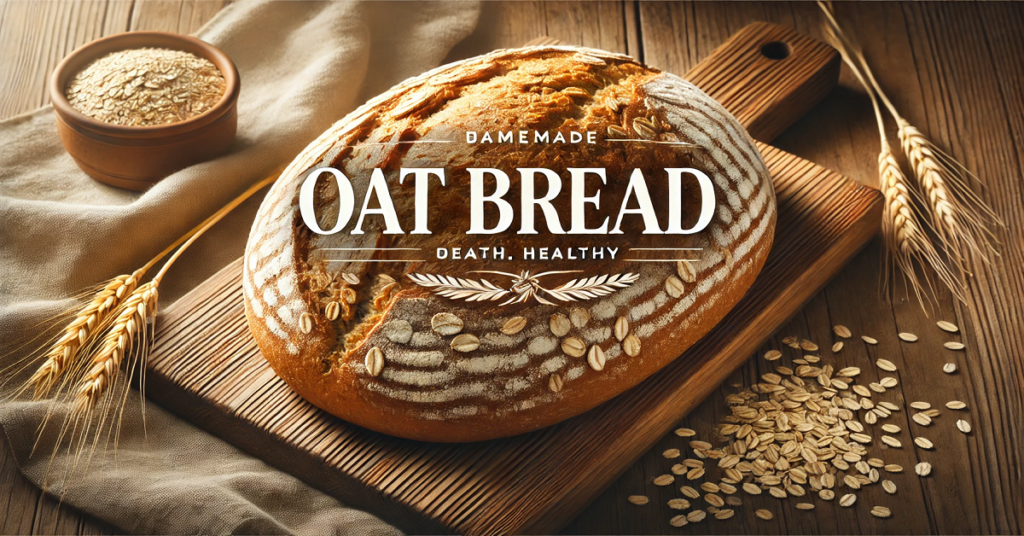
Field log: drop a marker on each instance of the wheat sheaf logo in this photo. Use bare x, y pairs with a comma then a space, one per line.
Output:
524, 287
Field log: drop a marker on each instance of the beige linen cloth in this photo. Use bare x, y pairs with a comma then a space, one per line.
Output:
303, 65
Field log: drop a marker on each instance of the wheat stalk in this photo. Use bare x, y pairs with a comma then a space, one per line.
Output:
905, 233
959, 216
132, 317
111, 329
136, 312
954, 207
88, 321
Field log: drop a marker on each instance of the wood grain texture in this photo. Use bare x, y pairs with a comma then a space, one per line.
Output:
953, 69
208, 369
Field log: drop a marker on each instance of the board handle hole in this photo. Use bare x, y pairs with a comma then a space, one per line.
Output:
776, 50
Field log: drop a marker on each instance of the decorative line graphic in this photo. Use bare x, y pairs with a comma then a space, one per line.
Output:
524, 287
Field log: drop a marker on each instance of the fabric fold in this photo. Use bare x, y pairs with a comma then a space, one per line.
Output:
303, 66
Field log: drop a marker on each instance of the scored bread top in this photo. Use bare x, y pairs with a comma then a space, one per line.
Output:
368, 343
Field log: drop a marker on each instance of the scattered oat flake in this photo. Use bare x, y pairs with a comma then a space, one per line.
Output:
955, 404
664, 480
881, 511
678, 504
954, 345
678, 521
847, 500
892, 442
685, 432
842, 331
949, 368
886, 365
772, 355
725, 513
920, 405
696, 516
889, 382
671, 453
849, 372
690, 492
923, 469
947, 326
908, 337
924, 442
761, 513
837, 347
963, 426
889, 486
893, 468
869, 340
639, 500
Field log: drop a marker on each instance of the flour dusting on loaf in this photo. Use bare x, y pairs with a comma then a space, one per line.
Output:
409, 344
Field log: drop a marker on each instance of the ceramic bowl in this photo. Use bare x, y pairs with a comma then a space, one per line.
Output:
138, 157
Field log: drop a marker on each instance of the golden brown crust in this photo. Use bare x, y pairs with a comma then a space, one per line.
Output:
377, 356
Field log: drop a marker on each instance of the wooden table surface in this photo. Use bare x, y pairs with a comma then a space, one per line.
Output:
955, 70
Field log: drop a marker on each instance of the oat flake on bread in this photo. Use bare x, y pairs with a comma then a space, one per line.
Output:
621, 329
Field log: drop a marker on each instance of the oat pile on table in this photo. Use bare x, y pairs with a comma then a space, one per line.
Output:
802, 431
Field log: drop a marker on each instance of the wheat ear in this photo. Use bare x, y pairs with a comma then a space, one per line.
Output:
132, 317
94, 317
954, 208
959, 215
138, 309
905, 233
88, 321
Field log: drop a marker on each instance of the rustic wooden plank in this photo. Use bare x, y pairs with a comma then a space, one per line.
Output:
493, 486
34, 37
963, 100
511, 24
157, 15
973, 42
597, 25
487, 484
839, 134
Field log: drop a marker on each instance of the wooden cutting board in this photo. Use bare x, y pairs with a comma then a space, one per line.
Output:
207, 368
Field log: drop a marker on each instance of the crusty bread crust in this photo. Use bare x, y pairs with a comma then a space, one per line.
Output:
381, 364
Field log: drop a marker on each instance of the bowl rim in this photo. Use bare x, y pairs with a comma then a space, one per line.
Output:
98, 48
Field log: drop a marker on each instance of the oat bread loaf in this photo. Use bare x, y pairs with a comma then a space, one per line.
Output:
360, 324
